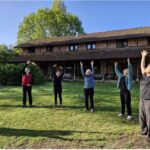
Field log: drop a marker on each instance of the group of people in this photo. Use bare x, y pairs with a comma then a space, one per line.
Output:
124, 84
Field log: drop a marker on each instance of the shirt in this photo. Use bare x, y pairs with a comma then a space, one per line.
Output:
122, 84
145, 88
88, 79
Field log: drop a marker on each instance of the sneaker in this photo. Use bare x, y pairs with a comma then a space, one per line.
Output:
92, 110
148, 140
85, 109
142, 134
120, 115
23, 106
60, 105
30, 106
129, 117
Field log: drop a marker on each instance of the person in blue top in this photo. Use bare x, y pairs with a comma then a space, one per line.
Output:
88, 86
124, 83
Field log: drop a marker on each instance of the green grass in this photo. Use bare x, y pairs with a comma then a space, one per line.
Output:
69, 127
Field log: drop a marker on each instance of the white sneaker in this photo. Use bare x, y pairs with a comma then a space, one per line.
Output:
129, 117
120, 115
92, 110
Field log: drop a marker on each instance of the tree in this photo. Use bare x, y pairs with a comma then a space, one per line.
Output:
46, 22
7, 52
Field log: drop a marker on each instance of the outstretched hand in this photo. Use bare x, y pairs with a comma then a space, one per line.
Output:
54, 65
81, 63
116, 63
28, 62
92, 62
61, 67
144, 53
128, 60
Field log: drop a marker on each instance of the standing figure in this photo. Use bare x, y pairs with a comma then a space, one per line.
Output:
58, 76
27, 84
144, 107
88, 86
124, 84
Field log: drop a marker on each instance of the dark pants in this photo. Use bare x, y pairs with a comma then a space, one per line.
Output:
144, 117
27, 90
125, 98
60, 97
89, 93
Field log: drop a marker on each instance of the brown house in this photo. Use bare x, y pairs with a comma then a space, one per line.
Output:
103, 47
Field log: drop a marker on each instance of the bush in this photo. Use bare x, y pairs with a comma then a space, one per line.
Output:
10, 74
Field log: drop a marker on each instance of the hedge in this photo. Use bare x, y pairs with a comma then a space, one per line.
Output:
10, 74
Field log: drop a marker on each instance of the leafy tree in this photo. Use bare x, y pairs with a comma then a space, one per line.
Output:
7, 52
46, 22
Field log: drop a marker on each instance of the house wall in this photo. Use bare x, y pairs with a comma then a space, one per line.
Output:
132, 42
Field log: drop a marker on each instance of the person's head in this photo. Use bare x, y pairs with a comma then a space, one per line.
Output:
27, 70
147, 70
58, 73
88, 72
125, 72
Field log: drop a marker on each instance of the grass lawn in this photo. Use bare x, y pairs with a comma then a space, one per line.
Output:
68, 127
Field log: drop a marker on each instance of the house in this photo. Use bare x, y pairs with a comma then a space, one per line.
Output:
103, 47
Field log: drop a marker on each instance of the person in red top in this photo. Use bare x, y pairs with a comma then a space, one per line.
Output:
27, 84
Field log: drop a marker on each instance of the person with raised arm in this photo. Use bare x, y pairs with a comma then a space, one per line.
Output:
88, 86
27, 81
124, 84
144, 106
58, 73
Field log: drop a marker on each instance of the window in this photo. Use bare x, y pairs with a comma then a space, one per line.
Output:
122, 43
31, 50
148, 41
90, 46
73, 47
49, 49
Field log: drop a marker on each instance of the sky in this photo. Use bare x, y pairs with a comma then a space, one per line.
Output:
96, 16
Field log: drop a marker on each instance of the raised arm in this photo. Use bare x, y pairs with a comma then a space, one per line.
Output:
144, 53
54, 70
27, 63
92, 67
117, 71
62, 74
82, 70
129, 69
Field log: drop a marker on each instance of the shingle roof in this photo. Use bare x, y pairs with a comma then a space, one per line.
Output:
99, 36
82, 55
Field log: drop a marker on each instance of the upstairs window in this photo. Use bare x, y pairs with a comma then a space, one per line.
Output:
49, 49
73, 47
90, 46
31, 50
122, 43
148, 41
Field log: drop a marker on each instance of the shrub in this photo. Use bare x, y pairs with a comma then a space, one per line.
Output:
10, 74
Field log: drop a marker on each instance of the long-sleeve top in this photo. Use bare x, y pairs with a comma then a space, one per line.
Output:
88, 79
128, 78
26, 79
58, 80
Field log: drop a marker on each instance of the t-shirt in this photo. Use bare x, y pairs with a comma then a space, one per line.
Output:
122, 84
145, 88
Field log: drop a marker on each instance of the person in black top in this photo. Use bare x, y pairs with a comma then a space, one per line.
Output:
144, 107
58, 73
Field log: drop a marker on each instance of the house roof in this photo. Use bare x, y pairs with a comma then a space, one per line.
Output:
93, 37
82, 55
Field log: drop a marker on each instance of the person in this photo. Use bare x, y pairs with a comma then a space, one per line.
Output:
125, 84
144, 106
58, 76
27, 81
88, 86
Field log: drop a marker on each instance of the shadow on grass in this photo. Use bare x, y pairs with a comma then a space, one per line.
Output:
56, 134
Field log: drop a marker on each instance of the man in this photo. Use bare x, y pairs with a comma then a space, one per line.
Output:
88, 86
144, 107
124, 84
